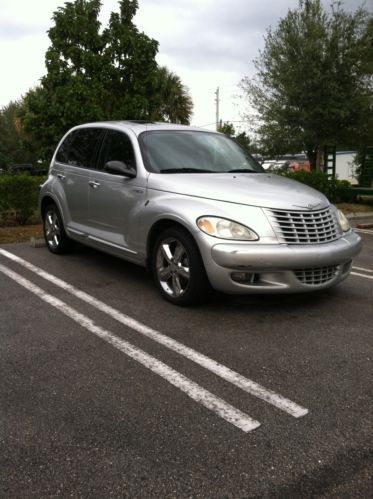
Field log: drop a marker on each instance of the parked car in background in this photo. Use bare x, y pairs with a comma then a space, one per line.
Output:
28, 169
195, 208
288, 163
21, 168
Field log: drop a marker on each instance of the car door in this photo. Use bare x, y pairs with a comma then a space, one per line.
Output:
114, 198
74, 159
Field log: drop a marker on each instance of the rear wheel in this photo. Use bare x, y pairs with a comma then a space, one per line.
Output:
54, 231
178, 268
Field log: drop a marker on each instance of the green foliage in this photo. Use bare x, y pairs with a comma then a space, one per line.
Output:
14, 146
18, 197
169, 99
244, 140
332, 188
241, 138
364, 165
94, 75
314, 84
227, 128
128, 63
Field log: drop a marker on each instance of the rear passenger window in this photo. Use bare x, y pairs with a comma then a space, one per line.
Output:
117, 147
79, 148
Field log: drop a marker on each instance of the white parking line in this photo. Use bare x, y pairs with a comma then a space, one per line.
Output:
363, 269
220, 370
362, 275
364, 231
192, 389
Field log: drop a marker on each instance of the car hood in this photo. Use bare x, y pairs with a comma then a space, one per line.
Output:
253, 189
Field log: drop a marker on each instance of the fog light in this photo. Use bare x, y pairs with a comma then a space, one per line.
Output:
346, 267
245, 277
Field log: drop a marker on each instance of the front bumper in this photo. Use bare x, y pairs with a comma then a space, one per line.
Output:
280, 268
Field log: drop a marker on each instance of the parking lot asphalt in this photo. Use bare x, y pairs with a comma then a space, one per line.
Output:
114, 392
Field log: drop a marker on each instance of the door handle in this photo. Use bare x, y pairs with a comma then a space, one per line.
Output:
61, 176
94, 184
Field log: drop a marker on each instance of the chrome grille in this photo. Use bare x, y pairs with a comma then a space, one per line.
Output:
316, 275
304, 227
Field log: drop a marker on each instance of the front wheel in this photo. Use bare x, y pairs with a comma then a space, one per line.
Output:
54, 231
178, 268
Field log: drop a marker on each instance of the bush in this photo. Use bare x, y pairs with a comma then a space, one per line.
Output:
332, 188
18, 197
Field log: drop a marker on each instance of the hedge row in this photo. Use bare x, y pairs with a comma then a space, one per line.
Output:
19, 193
335, 190
18, 198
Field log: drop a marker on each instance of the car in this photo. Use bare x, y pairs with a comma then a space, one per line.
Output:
193, 207
19, 169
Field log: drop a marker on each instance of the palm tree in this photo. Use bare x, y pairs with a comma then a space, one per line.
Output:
171, 100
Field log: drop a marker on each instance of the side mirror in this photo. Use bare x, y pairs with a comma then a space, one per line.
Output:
119, 168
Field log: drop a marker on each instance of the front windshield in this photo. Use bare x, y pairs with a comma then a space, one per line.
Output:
184, 151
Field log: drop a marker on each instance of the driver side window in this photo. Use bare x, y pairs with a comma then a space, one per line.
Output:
117, 147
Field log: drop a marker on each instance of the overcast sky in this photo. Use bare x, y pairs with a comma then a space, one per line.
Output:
208, 43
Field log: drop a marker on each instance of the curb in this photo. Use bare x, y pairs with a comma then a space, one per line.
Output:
366, 214
37, 243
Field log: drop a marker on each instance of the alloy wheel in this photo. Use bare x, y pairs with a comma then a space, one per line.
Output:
52, 229
173, 267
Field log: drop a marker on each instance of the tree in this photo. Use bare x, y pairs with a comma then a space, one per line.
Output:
313, 85
71, 91
226, 128
129, 65
241, 138
95, 75
170, 99
14, 146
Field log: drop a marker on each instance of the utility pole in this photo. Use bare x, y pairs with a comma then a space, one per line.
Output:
217, 100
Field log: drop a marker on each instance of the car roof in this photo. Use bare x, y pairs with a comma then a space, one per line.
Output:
141, 126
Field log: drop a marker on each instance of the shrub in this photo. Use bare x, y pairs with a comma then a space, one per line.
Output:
18, 197
335, 190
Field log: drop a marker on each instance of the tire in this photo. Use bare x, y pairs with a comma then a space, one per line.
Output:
54, 231
178, 269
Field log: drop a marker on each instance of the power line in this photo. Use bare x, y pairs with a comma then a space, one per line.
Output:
230, 121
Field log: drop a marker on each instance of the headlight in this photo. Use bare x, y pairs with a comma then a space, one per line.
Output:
343, 222
226, 229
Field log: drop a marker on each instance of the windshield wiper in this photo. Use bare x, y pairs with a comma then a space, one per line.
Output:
241, 170
185, 170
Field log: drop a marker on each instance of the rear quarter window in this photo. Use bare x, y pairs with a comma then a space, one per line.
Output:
79, 148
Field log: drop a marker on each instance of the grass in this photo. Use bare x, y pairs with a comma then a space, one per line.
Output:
20, 233
355, 208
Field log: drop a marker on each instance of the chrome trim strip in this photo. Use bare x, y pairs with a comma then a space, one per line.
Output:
299, 227
77, 232
117, 246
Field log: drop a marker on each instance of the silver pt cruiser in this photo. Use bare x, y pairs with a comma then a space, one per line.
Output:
195, 208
